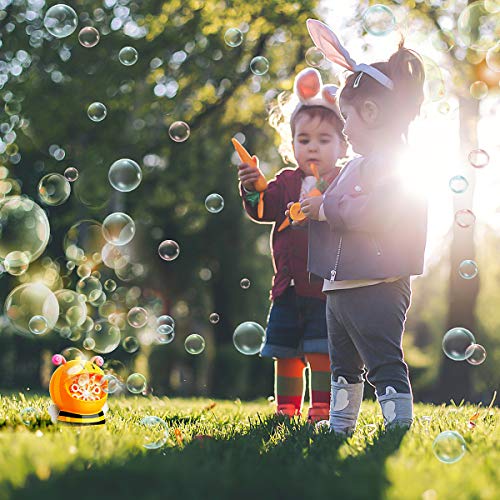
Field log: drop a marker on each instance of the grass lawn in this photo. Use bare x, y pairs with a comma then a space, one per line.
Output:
248, 454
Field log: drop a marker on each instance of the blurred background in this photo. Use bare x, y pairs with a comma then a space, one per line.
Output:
217, 66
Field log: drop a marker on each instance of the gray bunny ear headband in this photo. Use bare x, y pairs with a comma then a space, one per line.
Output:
326, 41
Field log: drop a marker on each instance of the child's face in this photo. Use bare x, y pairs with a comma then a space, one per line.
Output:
316, 141
360, 127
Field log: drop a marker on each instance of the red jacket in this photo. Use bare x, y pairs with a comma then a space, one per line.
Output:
289, 246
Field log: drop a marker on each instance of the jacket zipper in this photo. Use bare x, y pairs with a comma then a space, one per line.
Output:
334, 271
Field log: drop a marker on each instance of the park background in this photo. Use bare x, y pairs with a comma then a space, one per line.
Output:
186, 71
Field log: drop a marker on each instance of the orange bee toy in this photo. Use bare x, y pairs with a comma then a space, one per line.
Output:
78, 391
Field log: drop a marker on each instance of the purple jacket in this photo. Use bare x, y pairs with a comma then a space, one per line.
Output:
289, 246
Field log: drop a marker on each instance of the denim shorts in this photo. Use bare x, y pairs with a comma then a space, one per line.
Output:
295, 326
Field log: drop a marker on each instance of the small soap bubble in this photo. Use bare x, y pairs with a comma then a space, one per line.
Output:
88, 37
169, 250
136, 383
259, 65
125, 175
90, 288
214, 318
110, 285
97, 111
314, 57
478, 90
118, 228
379, 20
214, 203
165, 334
449, 447
71, 173
468, 269
72, 353
110, 384
245, 283
475, 354
54, 189
88, 343
233, 37
38, 325
29, 416
154, 432
465, 218
458, 184
83, 271
179, 131
60, 20
128, 56
194, 344
249, 337
479, 158
16, 263
137, 317
130, 344
455, 343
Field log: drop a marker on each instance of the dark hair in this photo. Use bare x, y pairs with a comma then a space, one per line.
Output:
398, 106
324, 114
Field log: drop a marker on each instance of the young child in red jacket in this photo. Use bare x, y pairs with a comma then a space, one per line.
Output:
296, 335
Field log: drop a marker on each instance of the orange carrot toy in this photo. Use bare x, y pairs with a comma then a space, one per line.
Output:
261, 183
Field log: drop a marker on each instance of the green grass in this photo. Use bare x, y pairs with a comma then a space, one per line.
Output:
250, 454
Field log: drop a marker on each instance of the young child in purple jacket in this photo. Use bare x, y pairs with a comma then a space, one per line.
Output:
296, 334
367, 235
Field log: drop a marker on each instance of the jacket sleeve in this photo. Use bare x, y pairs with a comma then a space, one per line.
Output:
375, 209
273, 203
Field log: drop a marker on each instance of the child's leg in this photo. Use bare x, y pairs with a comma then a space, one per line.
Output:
347, 375
319, 389
289, 385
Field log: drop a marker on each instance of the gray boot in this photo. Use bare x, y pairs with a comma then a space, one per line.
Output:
344, 407
397, 408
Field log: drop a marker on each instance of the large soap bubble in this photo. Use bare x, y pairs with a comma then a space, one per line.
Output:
249, 337
24, 227
449, 447
125, 175
30, 300
83, 240
477, 27
118, 228
60, 20
455, 343
54, 189
106, 337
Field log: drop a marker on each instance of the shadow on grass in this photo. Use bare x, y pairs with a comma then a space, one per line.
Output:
274, 459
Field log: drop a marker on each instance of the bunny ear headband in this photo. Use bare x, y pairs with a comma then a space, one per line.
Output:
310, 90
326, 40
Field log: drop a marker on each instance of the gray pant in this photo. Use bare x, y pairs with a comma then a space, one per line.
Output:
365, 329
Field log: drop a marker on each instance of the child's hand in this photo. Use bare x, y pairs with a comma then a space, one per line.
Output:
310, 207
294, 222
248, 175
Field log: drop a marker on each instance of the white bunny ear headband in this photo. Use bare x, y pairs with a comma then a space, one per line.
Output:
310, 91
326, 40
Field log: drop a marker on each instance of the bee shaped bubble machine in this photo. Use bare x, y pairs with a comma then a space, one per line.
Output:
78, 391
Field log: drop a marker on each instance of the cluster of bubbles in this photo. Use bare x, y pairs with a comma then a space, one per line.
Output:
459, 344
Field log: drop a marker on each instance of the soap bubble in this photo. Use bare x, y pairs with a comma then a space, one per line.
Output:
477, 28
72, 353
458, 184
214, 203
194, 344
314, 57
110, 384
136, 383
128, 56
106, 337
479, 158
83, 240
38, 325
110, 285
125, 175
16, 263
455, 343
475, 354
60, 20
249, 337
467, 269
137, 317
165, 319
29, 300
25, 227
214, 318
90, 287
169, 250
259, 65
465, 218
478, 90
71, 173
449, 447
434, 86
493, 58
72, 309
245, 283
54, 189
89, 343
179, 131
29, 416
84, 271
88, 37
165, 334
379, 20
155, 432
115, 257
97, 111
233, 37
130, 344
118, 228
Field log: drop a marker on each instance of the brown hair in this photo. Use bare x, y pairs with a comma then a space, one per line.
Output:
398, 106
